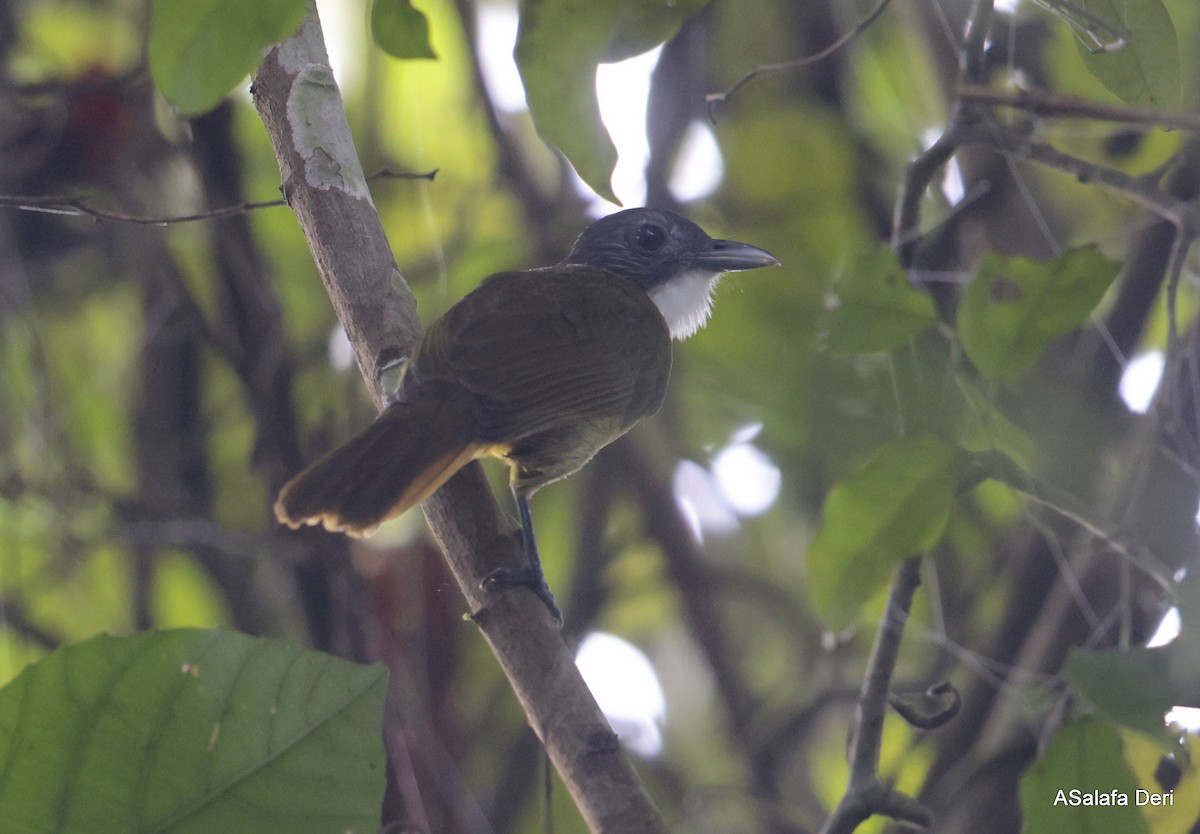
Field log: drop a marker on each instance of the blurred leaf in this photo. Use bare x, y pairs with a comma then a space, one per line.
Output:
558, 68
75, 39
998, 466
192, 731
1184, 658
97, 426
183, 594
1145, 758
889, 90
559, 44
893, 506
640, 25
1131, 687
199, 50
985, 428
1085, 756
1145, 71
1137, 687
1189, 603
401, 30
876, 309
1016, 306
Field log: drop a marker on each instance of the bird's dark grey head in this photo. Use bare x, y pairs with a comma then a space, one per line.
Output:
670, 257
651, 246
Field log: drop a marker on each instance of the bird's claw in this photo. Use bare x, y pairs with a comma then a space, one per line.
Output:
528, 577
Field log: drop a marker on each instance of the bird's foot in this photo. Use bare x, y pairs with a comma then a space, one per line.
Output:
528, 576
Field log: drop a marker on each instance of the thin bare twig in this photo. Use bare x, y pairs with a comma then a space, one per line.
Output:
1104, 36
1141, 190
78, 207
1074, 107
713, 99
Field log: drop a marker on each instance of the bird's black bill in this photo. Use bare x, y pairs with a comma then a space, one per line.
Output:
731, 256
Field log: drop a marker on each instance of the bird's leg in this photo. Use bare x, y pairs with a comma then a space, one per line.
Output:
530, 575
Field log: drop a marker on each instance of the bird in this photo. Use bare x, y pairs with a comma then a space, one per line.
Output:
540, 368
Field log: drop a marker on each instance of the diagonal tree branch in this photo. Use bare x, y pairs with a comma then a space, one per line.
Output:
299, 103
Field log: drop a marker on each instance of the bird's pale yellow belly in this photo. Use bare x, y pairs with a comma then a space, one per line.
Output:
554, 454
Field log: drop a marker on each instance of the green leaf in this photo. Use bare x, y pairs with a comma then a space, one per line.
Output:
559, 45
1145, 758
893, 506
192, 731
1188, 597
1084, 763
1016, 306
400, 30
876, 310
640, 25
1145, 70
1131, 687
1183, 665
1138, 686
996, 465
201, 49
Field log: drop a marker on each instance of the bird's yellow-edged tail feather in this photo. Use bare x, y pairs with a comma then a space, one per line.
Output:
395, 463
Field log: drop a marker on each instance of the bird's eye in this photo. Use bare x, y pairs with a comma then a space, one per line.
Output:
650, 237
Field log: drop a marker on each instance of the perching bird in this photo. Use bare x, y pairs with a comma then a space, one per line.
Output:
540, 368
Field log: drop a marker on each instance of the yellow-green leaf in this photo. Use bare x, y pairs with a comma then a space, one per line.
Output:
559, 45
192, 731
1132, 48
200, 49
1131, 687
875, 308
893, 506
1016, 306
401, 30
1079, 784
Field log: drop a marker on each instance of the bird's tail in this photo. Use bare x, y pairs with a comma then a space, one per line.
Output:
398, 461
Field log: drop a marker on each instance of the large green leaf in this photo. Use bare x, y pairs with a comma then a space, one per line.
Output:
1016, 306
1137, 687
1131, 687
559, 45
192, 731
1145, 759
1083, 766
401, 30
876, 310
1145, 70
201, 49
893, 506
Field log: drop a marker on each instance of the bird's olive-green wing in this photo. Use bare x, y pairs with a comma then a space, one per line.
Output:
540, 348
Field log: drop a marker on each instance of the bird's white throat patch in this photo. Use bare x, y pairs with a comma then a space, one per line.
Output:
685, 301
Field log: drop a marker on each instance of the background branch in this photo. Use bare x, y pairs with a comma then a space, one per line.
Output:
69, 206
714, 99
1046, 104
866, 793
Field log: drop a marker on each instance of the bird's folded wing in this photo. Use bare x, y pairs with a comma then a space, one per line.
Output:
540, 347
